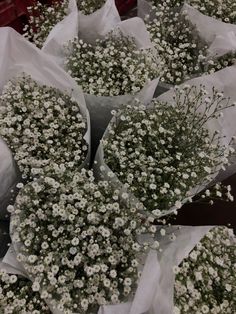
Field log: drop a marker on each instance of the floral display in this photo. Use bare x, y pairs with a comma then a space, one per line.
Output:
114, 66
90, 6
222, 10
42, 19
92, 234
164, 150
205, 280
43, 127
17, 296
79, 241
182, 51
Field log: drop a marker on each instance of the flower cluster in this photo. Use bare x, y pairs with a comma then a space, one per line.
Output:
182, 51
79, 240
164, 150
42, 126
89, 6
221, 10
17, 296
42, 19
205, 280
114, 66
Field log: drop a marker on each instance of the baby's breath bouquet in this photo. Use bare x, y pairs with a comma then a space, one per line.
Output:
42, 19
222, 10
17, 296
114, 66
205, 280
163, 151
182, 49
43, 127
78, 241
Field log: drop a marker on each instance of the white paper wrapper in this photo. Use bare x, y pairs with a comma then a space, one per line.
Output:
8, 177
145, 8
65, 30
99, 23
135, 27
17, 55
10, 263
173, 253
9, 269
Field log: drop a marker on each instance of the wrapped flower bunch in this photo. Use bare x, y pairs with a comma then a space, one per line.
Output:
79, 241
17, 296
114, 66
181, 49
43, 127
205, 280
42, 19
163, 151
221, 10
90, 6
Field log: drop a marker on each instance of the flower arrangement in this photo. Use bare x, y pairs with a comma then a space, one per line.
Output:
182, 51
90, 6
163, 151
42, 19
42, 126
79, 240
205, 280
17, 296
114, 66
221, 10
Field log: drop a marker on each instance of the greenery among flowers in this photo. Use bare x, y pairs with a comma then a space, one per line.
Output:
182, 51
43, 128
164, 150
205, 280
90, 6
42, 19
222, 10
114, 66
17, 296
79, 240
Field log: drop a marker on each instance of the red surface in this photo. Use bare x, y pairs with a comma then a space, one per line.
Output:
13, 13
124, 6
